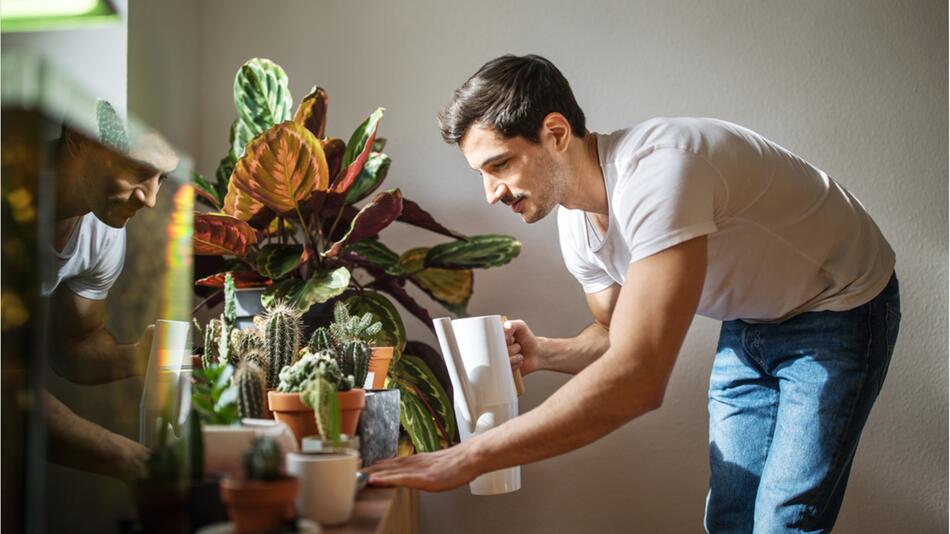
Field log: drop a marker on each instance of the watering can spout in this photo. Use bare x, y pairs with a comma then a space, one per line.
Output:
457, 373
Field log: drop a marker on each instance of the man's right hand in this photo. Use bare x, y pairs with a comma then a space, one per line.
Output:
524, 348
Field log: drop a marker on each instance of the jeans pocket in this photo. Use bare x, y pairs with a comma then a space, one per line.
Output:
892, 321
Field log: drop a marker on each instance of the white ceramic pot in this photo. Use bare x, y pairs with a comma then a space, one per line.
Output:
327, 485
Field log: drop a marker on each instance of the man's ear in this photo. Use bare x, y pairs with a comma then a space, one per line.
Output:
73, 141
558, 128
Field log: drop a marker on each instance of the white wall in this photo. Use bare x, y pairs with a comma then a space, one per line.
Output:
857, 87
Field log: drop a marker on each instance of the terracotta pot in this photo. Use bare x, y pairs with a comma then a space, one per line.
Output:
379, 365
259, 505
289, 409
351, 405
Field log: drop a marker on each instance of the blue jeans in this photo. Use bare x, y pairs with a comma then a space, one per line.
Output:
787, 403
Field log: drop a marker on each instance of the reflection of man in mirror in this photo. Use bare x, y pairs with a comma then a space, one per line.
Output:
99, 187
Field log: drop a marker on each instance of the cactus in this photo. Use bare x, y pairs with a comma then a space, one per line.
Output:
212, 335
262, 460
281, 340
354, 360
258, 357
250, 381
321, 396
298, 376
243, 342
320, 340
228, 317
347, 328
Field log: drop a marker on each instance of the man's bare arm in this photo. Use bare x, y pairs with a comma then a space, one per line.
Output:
650, 321
84, 352
653, 313
572, 355
78, 443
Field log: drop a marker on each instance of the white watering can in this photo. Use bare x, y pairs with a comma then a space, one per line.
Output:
476, 355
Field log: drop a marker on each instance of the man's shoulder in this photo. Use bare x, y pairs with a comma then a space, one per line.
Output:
694, 134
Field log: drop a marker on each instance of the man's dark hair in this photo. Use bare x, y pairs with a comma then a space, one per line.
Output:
511, 94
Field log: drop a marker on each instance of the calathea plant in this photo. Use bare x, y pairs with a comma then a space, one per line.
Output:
298, 212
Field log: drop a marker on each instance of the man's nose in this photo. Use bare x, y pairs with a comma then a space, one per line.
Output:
494, 190
147, 193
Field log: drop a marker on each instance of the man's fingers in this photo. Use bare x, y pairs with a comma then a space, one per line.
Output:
514, 349
516, 361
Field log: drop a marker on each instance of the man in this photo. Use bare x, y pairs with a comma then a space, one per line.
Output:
99, 188
658, 222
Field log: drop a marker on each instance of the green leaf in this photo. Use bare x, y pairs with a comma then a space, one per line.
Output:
357, 151
278, 291
370, 178
480, 251
275, 260
450, 287
378, 254
322, 286
261, 97
206, 189
413, 370
383, 311
379, 144
418, 423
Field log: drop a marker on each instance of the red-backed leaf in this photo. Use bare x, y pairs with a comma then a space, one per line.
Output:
333, 149
416, 216
282, 167
357, 150
239, 204
378, 214
241, 279
218, 234
312, 111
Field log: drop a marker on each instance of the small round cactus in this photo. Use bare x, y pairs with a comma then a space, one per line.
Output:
262, 460
354, 360
320, 340
250, 381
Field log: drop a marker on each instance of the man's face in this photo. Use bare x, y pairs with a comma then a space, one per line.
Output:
115, 186
517, 172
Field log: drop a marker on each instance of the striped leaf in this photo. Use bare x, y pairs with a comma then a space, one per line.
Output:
370, 178
480, 251
241, 279
394, 331
218, 234
281, 168
375, 253
280, 291
262, 99
275, 260
429, 414
413, 214
239, 204
450, 287
206, 190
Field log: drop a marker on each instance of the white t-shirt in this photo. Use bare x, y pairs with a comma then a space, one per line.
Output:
91, 260
783, 237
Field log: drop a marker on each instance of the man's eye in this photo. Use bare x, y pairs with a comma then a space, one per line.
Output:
502, 165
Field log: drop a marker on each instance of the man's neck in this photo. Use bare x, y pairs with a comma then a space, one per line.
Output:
586, 189
69, 200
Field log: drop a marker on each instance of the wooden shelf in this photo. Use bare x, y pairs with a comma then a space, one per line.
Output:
382, 511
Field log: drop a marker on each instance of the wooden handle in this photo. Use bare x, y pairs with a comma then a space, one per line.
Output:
516, 373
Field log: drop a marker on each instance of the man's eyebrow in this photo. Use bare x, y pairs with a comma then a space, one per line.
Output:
493, 159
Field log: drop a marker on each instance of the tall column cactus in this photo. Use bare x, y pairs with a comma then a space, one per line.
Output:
212, 339
281, 340
228, 318
354, 360
251, 384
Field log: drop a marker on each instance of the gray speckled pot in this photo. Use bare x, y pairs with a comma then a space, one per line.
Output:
379, 426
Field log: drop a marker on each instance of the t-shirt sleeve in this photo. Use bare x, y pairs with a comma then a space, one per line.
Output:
590, 276
668, 199
94, 284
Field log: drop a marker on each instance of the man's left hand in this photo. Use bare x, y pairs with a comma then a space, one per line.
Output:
435, 471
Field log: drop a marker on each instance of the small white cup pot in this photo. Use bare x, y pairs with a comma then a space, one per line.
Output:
327, 484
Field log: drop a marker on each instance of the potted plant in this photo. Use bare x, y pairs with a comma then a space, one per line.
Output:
263, 501
293, 213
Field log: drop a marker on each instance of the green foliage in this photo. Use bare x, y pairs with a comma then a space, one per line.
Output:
426, 411
214, 396
262, 460
251, 385
228, 318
